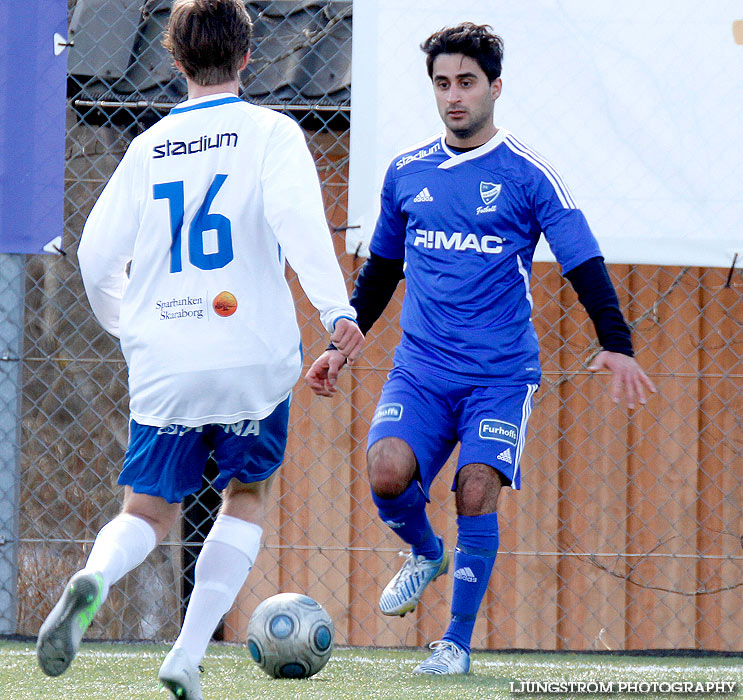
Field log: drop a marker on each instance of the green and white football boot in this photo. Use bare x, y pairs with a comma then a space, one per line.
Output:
60, 635
180, 677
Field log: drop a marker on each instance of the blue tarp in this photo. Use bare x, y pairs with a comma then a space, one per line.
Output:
32, 126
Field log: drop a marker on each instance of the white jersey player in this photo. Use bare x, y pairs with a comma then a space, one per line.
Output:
183, 259
207, 204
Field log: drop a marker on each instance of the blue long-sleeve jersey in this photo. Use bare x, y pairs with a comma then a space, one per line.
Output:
467, 225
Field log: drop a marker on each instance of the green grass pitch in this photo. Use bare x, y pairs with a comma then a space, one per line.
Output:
103, 671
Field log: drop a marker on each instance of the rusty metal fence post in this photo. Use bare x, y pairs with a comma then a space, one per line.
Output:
12, 271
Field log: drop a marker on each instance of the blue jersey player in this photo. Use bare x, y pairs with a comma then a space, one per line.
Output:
460, 218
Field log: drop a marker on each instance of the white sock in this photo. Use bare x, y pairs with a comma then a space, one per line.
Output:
120, 546
222, 566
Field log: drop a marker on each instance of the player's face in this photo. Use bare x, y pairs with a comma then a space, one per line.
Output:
465, 99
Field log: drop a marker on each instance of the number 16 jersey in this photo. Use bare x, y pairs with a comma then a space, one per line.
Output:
202, 211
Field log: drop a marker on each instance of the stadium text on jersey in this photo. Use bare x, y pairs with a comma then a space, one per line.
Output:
184, 148
417, 156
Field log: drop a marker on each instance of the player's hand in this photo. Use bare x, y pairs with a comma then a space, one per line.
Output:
347, 338
323, 374
628, 382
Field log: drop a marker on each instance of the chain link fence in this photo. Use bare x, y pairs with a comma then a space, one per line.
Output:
626, 535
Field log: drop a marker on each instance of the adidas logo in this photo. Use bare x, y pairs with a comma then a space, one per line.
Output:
505, 456
465, 574
423, 196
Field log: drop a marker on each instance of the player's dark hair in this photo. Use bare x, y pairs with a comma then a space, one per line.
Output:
209, 38
473, 40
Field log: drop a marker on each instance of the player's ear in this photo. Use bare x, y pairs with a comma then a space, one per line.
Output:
244, 62
496, 86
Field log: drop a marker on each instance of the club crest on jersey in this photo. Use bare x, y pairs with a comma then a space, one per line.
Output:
489, 192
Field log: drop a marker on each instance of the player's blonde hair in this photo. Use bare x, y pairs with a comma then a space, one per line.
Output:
209, 38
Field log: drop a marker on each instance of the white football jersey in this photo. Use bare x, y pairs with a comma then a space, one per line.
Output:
207, 204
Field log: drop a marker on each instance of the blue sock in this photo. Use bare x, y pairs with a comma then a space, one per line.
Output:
474, 556
406, 515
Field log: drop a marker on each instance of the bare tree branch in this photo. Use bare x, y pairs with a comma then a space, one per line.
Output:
642, 558
310, 39
594, 348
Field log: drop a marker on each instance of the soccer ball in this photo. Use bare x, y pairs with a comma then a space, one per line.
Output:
290, 635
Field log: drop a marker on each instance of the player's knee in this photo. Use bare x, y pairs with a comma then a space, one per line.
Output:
386, 479
247, 501
478, 487
160, 519
391, 467
387, 484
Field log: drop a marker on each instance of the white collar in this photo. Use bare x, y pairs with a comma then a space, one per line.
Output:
457, 158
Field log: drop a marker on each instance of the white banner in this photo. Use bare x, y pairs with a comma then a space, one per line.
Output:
638, 105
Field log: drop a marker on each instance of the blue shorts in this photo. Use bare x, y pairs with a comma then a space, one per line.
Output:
433, 414
169, 462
